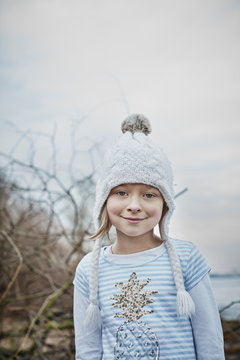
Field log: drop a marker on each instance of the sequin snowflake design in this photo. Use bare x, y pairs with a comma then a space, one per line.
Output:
134, 339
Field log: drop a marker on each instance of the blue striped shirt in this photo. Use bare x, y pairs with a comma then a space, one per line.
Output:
159, 330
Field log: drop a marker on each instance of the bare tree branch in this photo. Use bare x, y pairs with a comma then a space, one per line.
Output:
10, 284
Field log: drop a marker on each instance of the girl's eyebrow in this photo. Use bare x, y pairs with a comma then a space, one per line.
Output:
152, 188
118, 188
125, 186
121, 186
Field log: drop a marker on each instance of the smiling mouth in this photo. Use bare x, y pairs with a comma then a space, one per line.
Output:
133, 220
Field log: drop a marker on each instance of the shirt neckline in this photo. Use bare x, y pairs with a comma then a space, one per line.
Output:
135, 258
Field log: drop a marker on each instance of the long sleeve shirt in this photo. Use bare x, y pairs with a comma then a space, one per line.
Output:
197, 338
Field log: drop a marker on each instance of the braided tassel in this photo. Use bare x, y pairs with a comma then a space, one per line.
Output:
185, 304
93, 316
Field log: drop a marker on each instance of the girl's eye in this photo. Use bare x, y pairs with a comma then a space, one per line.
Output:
149, 196
121, 193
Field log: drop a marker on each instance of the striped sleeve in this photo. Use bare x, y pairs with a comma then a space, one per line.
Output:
197, 268
81, 278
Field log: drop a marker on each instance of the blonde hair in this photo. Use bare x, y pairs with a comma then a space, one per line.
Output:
105, 224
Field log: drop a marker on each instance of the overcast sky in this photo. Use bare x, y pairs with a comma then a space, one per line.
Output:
177, 62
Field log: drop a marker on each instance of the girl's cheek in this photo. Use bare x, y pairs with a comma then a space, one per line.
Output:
111, 205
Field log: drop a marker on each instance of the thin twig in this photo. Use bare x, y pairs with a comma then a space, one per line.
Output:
9, 239
229, 305
28, 297
180, 193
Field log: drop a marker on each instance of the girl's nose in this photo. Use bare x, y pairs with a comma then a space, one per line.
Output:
134, 205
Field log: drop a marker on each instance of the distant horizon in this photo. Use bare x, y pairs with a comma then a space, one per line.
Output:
217, 274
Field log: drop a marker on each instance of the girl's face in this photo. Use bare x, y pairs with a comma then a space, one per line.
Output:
134, 209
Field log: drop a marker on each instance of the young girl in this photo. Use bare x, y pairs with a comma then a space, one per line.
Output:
144, 297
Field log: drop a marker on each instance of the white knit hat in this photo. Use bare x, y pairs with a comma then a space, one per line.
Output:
134, 158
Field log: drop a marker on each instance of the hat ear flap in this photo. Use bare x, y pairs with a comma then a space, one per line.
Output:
162, 221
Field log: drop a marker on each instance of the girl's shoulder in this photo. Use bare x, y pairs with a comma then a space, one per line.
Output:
188, 252
86, 259
85, 263
193, 263
183, 246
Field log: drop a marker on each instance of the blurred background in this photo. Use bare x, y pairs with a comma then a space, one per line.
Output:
71, 71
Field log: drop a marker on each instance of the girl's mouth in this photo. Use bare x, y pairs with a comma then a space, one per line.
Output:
133, 220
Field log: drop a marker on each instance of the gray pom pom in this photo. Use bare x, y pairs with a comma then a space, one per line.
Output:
136, 123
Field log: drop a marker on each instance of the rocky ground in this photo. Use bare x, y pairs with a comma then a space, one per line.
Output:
231, 330
51, 338
54, 340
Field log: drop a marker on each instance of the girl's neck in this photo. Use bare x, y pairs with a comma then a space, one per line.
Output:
130, 245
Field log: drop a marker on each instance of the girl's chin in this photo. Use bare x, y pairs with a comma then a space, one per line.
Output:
131, 234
